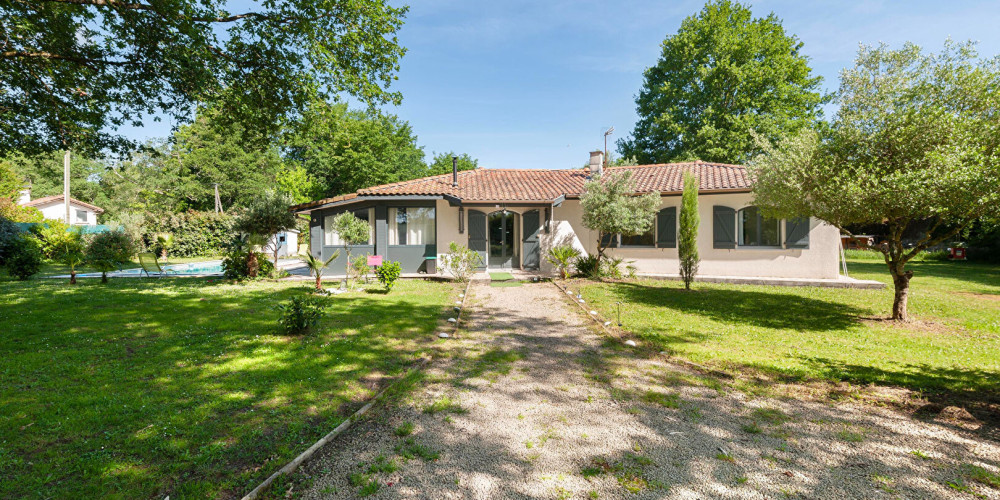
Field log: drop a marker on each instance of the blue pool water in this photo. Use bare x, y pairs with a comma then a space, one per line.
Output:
206, 268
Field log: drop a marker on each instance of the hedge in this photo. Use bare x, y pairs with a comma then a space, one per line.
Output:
196, 234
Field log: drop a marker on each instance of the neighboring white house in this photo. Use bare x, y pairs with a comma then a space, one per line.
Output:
52, 207
288, 243
512, 217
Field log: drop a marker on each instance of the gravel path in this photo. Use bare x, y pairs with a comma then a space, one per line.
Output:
533, 403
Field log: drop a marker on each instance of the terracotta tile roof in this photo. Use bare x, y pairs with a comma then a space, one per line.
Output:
487, 184
58, 198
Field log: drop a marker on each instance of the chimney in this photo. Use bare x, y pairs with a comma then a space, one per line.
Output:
25, 196
596, 162
454, 171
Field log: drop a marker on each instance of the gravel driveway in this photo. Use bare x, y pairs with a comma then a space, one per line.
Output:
533, 403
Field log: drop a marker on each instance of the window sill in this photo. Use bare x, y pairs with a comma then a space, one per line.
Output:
752, 247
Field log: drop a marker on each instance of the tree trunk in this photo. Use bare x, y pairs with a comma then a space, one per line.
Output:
72, 277
252, 264
319, 285
104, 277
901, 282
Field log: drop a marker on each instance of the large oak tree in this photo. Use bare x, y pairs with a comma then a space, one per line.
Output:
722, 77
915, 143
73, 71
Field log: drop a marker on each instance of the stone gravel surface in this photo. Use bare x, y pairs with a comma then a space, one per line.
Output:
533, 402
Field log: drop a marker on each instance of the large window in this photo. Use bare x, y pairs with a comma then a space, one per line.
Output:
411, 226
757, 231
331, 238
646, 239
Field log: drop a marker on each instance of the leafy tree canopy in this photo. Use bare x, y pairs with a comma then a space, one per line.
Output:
916, 140
73, 71
441, 163
722, 76
346, 150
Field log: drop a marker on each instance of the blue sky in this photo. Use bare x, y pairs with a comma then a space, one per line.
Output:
534, 84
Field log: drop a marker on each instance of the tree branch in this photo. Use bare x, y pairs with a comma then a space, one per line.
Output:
21, 54
116, 4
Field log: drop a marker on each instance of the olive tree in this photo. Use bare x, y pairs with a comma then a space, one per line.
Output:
265, 217
915, 141
352, 231
611, 207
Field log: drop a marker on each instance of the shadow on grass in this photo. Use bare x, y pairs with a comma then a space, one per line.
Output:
977, 273
746, 306
182, 387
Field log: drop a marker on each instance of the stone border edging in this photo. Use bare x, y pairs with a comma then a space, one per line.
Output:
346, 424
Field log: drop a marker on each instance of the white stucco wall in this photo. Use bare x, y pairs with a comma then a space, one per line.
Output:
58, 211
820, 260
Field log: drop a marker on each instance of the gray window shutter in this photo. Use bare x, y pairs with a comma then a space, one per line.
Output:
723, 227
797, 232
666, 228
609, 241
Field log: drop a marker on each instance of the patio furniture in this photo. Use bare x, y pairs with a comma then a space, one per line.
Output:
150, 265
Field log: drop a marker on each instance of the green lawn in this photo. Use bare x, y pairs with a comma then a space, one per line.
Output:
184, 387
834, 334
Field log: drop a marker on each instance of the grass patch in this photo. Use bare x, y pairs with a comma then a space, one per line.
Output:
411, 449
752, 428
981, 475
382, 465
185, 387
850, 436
667, 400
445, 404
771, 416
404, 429
795, 333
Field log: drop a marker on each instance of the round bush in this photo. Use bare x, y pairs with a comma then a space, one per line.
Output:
24, 258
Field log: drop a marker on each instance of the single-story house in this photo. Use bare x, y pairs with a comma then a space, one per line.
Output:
512, 217
52, 207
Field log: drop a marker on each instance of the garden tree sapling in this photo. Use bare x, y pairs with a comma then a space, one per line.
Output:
461, 262
687, 239
610, 207
724, 75
109, 250
265, 217
916, 140
67, 248
317, 266
352, 231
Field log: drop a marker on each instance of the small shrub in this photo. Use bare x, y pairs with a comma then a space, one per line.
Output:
611, 267
68, 249
50, 233
360, 268
461, 262
108, 251
23, 257
300, 314
9, 233
586, 266
236, 265
388, 273
562, 257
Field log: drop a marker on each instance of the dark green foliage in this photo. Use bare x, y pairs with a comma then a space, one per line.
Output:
194, 233
345, 150
236, 264
300, 314
109, 251
25, 256
441, 163
587, 266
722, 76
9, 233
687, 243
267, 215
107, 65
388, 273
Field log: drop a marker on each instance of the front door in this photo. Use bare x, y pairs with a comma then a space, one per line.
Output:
501, 230
531, 220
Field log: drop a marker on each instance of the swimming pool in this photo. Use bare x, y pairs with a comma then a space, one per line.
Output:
205, 268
